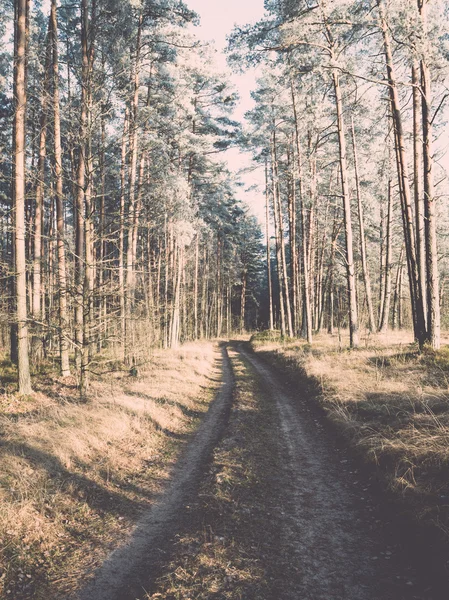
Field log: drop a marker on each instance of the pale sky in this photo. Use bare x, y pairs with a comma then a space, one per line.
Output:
218, 18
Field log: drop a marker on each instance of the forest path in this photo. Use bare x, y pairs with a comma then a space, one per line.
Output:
263, 506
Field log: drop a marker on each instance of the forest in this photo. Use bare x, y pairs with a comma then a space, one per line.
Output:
351, 123
122, 227
202, 397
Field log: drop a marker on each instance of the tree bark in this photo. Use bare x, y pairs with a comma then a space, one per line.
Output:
352, 299
404, 184
278, 208
365, 271
433, 293
133, 152
38, 213
277, 236
307, 313
20, 103
121, 241
62, 277
418, 197
383, 326
267, 232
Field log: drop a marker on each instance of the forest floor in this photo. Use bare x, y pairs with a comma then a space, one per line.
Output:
76, 477
268, 471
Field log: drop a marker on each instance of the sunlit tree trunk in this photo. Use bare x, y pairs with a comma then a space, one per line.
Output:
383, 326
38, 212
62, 278
404, 184
352, 299
268, 249
366, 277
20, 103
433, 293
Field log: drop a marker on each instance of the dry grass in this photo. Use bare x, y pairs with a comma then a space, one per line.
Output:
389, 401
75, 476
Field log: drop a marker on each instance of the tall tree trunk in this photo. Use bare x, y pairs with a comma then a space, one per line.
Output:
38, 213
133, 152
307, 313
175, 322
352, 299
365, 271
278, 207
20, 103
433, 293
243, 300
267, 232
84, 198
404, 184
195, 288
278, 241
62, 277
418, 197
80, 183
383, 326
291, 197
121, 242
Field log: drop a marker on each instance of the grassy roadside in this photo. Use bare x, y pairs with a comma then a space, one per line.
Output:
230, 548
75, 477
389, 402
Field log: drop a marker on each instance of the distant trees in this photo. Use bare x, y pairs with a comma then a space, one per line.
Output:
323, 102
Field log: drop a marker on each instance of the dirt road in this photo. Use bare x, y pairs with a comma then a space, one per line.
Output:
263, 505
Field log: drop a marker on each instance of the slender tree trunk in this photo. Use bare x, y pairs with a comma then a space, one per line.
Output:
175, 323
292, 237
38, 213
20, 103
243, 301
133, 152
121, 243
307, 313
383, 326
404, 183
433, 293
62, 278
278, 207
195, 290
267, 232
81, 182
418, 197
365, 271
84, 198
352, 299
278, 241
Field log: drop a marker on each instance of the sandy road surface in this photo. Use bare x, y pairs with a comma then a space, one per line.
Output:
329, 528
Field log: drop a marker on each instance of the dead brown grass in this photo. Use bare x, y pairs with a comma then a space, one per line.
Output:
75, 476
389, 401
